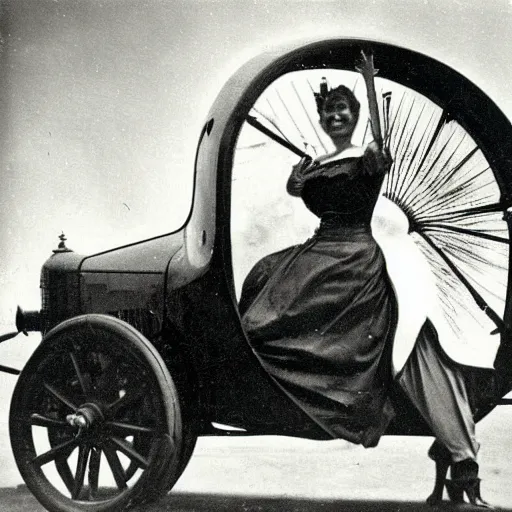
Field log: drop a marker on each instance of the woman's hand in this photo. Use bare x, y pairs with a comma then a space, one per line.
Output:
377, 160
297, 177
366, 68
300, 168
365, 65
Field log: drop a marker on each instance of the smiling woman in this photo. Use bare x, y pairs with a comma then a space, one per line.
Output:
440, 181
339, 111
321, 314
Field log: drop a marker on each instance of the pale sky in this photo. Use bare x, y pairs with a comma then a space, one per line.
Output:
103, 102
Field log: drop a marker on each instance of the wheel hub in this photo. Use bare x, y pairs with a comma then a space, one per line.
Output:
86, 416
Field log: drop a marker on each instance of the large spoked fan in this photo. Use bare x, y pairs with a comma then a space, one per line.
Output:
440, 181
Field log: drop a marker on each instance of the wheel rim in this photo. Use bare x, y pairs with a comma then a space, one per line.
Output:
89, 425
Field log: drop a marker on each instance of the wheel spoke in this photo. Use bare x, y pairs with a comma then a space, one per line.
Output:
60, 396
128, 429
82, 378
94, 471
290, 116
130, 452
61, 451
311, 123
38, 420
115, 467
104, 376
81, 466
476, 296
275, 137
105, 380
453, 215
464, 231
65, 472
131, 396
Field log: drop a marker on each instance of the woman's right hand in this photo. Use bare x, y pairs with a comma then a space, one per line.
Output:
300, 169
298, 176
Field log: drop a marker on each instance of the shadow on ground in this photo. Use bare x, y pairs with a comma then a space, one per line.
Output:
19, 499
183, 502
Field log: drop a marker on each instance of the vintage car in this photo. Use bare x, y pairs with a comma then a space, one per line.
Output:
143, 349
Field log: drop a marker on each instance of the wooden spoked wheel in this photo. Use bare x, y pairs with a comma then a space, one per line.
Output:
95, 421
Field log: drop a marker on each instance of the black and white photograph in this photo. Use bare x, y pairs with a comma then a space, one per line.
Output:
255, 255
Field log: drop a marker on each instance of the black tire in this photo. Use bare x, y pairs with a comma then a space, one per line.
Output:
189, 444
96, 386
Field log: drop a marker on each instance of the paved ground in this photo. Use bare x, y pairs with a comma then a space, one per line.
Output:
271, 474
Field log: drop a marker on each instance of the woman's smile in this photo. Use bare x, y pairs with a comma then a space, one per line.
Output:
337, 118
338, 124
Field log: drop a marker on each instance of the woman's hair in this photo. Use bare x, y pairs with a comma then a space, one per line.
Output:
342, 92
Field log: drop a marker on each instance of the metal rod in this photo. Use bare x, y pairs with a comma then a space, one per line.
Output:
8, 336
316, 132
386, 102
308, 116
460, 214
463, 231
476, 296
269, 133
8, 369
290, 116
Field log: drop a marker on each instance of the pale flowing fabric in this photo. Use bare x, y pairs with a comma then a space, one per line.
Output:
415, 290
431, 381
437, 389
409, 275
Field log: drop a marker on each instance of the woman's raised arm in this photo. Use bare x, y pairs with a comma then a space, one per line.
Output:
366, 68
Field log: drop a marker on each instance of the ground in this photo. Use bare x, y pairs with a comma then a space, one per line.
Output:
271, 474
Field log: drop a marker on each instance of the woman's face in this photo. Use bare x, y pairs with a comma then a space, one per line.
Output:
336, 118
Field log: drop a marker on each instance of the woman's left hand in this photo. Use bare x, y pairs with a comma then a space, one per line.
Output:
365, 65
377, 160
366, 68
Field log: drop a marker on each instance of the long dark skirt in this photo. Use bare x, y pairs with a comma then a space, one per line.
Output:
321, 316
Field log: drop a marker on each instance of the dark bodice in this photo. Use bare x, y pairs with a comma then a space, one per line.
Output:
343, 192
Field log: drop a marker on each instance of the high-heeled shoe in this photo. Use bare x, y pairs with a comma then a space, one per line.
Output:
464, 481
443, 459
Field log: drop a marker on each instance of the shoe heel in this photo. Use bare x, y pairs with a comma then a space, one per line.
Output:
455, 491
